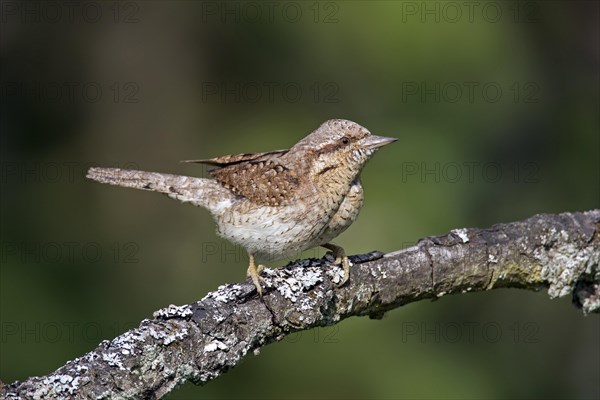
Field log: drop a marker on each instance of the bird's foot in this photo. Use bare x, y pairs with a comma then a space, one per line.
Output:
340, 259
254, 274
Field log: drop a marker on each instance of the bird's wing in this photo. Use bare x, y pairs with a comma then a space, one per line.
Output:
260, 177
266, 182
232, 159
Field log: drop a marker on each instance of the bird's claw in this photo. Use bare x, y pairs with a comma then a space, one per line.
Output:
341, 260
344, 263
254, 274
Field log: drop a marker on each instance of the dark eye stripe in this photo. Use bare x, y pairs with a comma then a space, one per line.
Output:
321, 172
329, 148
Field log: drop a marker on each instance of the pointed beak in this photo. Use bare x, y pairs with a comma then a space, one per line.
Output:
374, 142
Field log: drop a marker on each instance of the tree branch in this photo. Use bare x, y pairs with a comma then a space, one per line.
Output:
200, 341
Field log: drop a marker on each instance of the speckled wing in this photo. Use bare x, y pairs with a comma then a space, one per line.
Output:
260, 177
231, 159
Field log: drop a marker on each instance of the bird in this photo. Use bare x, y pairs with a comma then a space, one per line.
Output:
279, 203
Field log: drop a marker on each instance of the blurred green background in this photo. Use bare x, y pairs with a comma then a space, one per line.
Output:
496, 106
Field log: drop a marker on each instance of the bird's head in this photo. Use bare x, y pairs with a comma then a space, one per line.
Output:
339, 147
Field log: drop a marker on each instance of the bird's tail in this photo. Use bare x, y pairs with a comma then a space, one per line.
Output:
198, 191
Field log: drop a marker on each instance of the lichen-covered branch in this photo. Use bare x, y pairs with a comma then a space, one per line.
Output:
200, 341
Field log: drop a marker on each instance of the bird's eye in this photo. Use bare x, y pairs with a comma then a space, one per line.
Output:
345, 140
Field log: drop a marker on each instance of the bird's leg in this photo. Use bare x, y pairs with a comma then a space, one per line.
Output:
254, 274
340, 259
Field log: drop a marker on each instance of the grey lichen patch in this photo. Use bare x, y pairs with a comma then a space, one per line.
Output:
336, 273
563, 264
219, 353
135, 341
173, 311
126, 343
113, 359
215, 345
291, 283
91, 356
54, 386
591, 304
64, 384
587, 297
299, 290
169, 332
379, 272
462, 234
225, 293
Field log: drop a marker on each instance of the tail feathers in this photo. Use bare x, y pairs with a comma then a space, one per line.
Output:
198, 191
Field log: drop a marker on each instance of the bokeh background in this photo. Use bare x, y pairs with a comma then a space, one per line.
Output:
496, 106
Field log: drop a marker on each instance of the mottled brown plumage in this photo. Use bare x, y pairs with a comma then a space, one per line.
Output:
279, 203
265, 182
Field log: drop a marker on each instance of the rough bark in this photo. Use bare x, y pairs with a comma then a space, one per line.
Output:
200, 341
